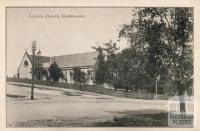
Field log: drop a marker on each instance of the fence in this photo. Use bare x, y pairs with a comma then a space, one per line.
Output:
92, 88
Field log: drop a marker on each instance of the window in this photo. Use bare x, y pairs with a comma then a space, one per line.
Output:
25, 63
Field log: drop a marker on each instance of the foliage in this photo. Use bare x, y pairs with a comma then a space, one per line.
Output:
105, 62
62, 76
160, 45
55, 72
100, 66
83, 78
46, 75
170, 88
125, 69
39, 72
165, 36
78, 75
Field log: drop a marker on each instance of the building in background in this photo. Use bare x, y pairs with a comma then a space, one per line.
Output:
85, 61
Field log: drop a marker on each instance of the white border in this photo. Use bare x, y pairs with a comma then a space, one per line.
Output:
124, 3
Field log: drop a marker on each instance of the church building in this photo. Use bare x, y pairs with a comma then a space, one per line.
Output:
85, 61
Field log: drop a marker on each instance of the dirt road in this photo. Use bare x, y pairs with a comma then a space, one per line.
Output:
58, 107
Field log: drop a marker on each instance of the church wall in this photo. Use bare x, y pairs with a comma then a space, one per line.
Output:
68, 73
24, 69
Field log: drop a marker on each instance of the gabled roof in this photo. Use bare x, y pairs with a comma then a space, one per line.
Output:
76, 60
41, 59
68, 61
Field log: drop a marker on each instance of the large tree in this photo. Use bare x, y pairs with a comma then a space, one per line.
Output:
165, 36
124, 69
100, 69
106, 62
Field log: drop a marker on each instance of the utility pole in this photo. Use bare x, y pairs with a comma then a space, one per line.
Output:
33, 69
156, 88
38, 65
157, 79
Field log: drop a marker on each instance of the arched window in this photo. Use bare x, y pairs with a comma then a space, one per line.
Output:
25, 63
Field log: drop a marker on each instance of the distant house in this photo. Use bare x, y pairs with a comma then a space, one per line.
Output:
85, 61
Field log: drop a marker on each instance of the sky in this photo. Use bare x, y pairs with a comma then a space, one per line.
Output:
61, 31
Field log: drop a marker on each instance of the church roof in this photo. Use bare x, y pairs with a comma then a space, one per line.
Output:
41, 59
71, 60
76, 60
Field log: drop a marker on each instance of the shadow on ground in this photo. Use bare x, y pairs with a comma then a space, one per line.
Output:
138, 118
15, 96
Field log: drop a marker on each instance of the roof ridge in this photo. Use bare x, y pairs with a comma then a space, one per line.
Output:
76, 54
40, 56
66, 54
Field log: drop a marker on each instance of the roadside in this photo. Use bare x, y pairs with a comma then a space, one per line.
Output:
59, 107
95, 89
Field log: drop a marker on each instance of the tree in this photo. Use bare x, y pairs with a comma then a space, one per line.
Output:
165, 35
132, 68
127, 70
78, 75
55, 72
62, 76
100, 70
39, 72
110, 48
123, 69
45, 74
83, 78
105, 66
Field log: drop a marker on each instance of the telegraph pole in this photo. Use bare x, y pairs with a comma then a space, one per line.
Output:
157, 79
33, 69
156, 87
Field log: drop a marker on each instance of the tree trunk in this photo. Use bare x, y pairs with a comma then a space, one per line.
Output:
181, 96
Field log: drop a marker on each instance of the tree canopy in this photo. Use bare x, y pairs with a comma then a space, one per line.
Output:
160, 46
165, 35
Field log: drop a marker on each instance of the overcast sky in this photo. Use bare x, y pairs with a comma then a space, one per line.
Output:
78, 31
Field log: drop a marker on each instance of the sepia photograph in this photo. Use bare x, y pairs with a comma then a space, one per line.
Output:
99, 67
